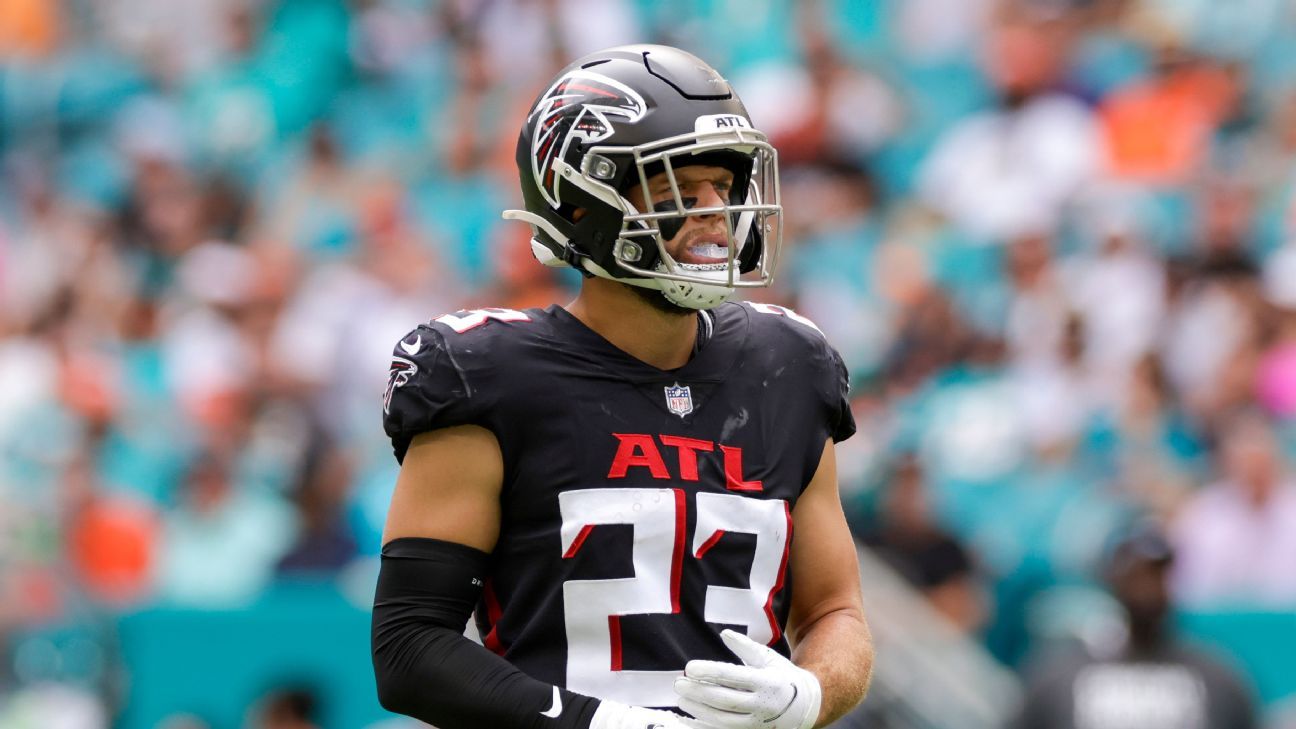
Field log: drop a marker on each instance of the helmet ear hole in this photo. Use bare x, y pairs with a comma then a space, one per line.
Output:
571, 213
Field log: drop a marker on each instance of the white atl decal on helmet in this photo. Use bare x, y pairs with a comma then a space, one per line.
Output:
719, 122
577, 106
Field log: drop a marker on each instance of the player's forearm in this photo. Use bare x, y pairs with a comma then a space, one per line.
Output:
425, 668
838, 649
440, 677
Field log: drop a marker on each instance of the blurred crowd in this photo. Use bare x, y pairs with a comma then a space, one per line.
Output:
1055, 241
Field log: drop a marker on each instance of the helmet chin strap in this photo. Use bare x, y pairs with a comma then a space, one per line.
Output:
688, 294
692, 295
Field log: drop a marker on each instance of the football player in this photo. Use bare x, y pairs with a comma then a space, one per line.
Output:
613, 486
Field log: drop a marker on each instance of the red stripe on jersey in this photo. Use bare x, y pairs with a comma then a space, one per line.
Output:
493, 643
580, 540
493, 612
778, 586
614, 630
708, 544
677, 558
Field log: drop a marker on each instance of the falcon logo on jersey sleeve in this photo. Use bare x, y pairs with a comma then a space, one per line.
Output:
400, 373
579, 105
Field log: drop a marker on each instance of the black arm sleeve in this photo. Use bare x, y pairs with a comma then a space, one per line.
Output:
427, 669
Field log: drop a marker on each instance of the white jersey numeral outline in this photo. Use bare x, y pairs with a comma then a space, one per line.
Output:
782, 311
771, 523
477, 317
593, 608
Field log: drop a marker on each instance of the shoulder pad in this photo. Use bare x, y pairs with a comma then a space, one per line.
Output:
466, 320
783, 312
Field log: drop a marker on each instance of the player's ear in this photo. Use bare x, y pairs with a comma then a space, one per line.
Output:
577, 214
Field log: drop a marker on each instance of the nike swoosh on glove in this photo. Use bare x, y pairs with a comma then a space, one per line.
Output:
768, 692
613, 715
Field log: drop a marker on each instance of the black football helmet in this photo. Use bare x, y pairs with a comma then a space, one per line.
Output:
612, 120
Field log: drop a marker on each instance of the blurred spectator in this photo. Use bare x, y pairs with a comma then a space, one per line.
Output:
1155, 447
230, 114
1276, 378
1038, 310
316, 209
931, 29
1280, 271
529, 37
332, 340
220, 545
1117, 286
1235, 31
1212, 333
211, 361
1151, 680
838, 111
29, 29
1056, 398
931, 559
1047, 342
324, 541
1236, 540
837, 274
1276, 371
930, 335
113, 544
180, 38
52, 246
1158, 131
53, 706
1013, 171
287, 708
1270, 156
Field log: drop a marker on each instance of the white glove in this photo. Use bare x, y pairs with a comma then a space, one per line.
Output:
613, 715
769, 692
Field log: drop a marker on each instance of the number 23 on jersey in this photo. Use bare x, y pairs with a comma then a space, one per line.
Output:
593, 607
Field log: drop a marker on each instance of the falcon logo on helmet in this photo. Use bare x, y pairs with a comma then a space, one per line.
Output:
577, 106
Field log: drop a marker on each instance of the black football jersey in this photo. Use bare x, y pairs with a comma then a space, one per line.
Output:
643, 511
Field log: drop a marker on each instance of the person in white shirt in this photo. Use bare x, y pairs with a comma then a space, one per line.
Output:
1236, 539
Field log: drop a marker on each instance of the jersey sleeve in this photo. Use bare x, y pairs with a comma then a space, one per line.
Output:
841, 422
824, 382
429, 386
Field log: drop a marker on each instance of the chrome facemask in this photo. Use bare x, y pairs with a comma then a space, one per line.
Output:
696, 285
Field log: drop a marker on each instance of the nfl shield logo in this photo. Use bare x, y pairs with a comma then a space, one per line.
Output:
679, 400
